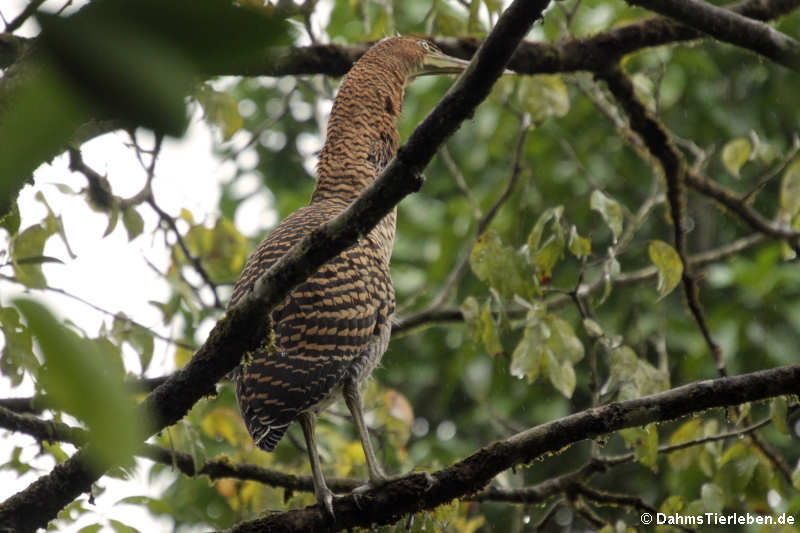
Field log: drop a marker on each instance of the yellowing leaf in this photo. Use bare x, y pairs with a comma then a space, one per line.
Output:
633, 377
545, 256
579, 246
133, 222
221, 109
691, 430
609, 209
672, 505
778, 410
489, 333
735, 154
544, 96
535, 236
669, 265
562, 339
222, 249
29, 243
527, 358
482, 325
644, 443
790, 190
561, 374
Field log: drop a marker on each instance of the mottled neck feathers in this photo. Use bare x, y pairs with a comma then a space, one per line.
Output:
362, 129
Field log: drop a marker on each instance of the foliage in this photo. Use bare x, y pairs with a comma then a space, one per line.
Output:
570, 297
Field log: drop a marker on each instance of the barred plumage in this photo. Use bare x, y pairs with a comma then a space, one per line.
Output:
332, 330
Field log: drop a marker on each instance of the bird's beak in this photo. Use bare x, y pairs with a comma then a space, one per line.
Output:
439, 63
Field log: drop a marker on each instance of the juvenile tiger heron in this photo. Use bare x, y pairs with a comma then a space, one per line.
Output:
332, 330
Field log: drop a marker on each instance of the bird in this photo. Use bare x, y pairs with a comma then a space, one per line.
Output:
330, 333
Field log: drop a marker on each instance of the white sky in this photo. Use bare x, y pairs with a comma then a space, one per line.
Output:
112, 273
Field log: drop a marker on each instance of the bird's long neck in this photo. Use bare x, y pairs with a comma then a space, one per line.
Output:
362, 130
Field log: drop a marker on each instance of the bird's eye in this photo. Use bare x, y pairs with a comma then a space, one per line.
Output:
424, 45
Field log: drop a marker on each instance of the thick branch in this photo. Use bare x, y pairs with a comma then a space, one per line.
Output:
731, 27
418, 492
244, 326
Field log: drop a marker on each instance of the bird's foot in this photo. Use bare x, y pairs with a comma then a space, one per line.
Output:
382, 479
325, 499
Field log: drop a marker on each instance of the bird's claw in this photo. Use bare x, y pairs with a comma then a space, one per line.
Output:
325, 499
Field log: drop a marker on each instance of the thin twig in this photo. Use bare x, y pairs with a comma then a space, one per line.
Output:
773, 173
658, 141
483, 222
461, 183
116, 316
27, 13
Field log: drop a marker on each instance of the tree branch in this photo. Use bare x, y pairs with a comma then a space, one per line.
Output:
53, 431
408, 323
244, 326
659, 142
417, 491
726, 25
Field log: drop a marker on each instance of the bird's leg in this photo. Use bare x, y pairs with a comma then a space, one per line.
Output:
321, 490
352, 397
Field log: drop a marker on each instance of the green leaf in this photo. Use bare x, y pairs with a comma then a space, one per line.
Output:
38, 260
579, 246
137, 61
736, 466
501, 267
28, 244
133, 222
689, 431
489, 332
790, 190
93, 528
53, 223
528, 357
796, 477
593, 329
17, 355
45, 113
735, 154
113, 218
482, 325
535, 236
154, 505
778, 411
644, 443
85, 384
669, 265
120, 527
10, 220
609, 209
713, 498
545, 256
222, 249
562, 339
633, 377
543, 96
561, 374
673, 504
221, 109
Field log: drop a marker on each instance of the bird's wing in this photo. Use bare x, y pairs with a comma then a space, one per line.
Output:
320, 329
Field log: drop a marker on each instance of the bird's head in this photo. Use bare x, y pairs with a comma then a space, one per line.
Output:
415, 57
